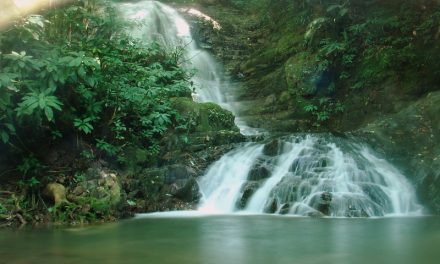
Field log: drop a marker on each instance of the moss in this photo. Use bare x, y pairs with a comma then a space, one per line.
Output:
204, 117
301, 71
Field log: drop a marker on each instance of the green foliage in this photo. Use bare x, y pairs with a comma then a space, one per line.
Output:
3, 209
83, 125
73, 72
84, 210
91, 76
393, 39
106, 147
324, 109
42, 101
220, 117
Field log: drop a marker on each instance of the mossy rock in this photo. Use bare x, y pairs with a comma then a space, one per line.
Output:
301, 74
204, 117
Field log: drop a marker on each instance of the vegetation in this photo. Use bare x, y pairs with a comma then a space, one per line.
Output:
73, 75
349, 51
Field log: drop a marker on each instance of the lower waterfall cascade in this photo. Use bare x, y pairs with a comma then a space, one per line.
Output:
307, 175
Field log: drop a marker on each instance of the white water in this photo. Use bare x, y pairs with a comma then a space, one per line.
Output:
311, 175
157, 22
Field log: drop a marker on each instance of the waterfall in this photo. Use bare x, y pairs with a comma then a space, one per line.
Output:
157, 22
307, 175
311, 175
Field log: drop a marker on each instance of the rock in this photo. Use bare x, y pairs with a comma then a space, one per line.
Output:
204, 117
248, 189
179, 172
324, 204
285, 209
57, 192
316, 31
271, 206
186, 190
315, 214
271, 148
303, 77
260, 170
270, 100
104, 188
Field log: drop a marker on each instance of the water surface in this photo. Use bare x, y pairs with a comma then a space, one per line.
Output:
230, 240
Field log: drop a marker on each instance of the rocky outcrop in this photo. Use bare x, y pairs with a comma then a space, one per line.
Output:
171, 183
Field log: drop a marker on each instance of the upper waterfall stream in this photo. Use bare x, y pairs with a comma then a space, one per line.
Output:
300, 175
160, 23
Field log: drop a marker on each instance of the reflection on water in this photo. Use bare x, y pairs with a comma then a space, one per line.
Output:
230, 239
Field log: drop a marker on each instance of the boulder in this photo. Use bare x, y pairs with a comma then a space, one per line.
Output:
248, 189
271, 148
56, 192
104, 189
204, 117
324, 203
260, 170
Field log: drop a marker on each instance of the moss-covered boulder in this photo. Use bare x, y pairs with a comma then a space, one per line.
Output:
103, 190
204, 117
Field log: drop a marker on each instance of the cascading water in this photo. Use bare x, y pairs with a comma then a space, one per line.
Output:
307, 175
157, 22
300, 175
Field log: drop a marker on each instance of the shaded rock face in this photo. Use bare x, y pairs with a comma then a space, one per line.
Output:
164, 188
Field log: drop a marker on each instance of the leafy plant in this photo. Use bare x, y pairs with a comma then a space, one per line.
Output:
42, 101
83, 125
324, 109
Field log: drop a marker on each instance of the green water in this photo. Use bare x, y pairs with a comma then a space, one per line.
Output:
230, 240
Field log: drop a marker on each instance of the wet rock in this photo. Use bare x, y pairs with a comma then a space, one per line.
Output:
285, 208
315, 214
260, 170
301, 74
271, 148
286, 191
270, 100
271, 206
324, 204
248, 189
